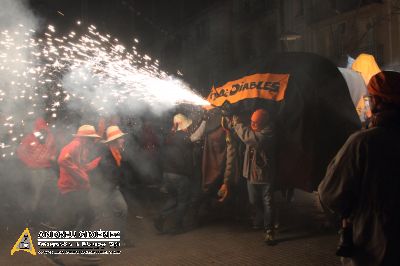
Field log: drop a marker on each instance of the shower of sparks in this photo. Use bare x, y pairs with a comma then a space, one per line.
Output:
41, 75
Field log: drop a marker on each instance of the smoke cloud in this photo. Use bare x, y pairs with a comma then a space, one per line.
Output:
71, 80
18, 72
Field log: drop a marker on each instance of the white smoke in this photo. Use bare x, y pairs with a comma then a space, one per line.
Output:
104, 75
15, 12
18, 69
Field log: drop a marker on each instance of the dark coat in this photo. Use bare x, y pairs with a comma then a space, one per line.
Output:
177, 154
110, 173
362, 182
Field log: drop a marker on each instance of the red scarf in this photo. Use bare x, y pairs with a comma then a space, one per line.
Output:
116, 154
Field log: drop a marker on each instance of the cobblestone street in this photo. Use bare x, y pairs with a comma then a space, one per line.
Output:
217, 242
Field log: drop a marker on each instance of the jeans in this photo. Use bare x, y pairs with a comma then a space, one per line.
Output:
178, 187
262, 197
119, 207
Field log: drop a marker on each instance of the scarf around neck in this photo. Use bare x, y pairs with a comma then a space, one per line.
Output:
116, 154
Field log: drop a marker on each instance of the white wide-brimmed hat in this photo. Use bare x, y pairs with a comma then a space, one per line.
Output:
86, 131
182, 121
113, 133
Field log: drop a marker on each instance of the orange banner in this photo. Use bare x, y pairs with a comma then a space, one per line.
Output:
266, 86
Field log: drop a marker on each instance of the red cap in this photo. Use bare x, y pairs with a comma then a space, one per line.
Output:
386, 85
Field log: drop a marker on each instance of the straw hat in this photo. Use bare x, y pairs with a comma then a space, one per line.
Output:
113, 133
86, 131
182, 121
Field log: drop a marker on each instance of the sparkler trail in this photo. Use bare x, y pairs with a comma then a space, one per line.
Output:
48, 74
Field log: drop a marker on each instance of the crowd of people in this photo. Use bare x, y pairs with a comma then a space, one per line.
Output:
214, 155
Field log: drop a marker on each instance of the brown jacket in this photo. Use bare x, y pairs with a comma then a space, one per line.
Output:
258, 166
219, 156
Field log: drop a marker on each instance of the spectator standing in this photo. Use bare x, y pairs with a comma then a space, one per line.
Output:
259, 169
363, 179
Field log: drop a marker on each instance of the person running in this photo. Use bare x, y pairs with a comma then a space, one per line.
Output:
37, 151
111, 171
75, 210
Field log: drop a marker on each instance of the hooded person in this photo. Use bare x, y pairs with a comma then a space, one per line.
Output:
111, 171
37, 152
37, 149
362, 181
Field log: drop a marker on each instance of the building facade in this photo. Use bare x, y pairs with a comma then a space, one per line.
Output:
336, 29
230, 35
224, 36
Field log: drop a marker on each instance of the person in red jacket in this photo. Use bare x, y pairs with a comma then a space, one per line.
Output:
37, 152
73, 182
75, 211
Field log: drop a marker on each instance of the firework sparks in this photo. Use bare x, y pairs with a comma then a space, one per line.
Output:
91, 68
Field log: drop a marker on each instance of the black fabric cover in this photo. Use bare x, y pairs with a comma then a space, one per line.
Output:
312, 122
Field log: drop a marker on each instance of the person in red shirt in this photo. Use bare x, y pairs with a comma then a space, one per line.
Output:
75, 211
73, 182
37, 152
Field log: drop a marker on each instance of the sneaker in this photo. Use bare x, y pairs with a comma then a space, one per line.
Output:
54, 259
269, 237
159, 224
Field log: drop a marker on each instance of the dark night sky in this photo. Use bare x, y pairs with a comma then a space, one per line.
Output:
148, 20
